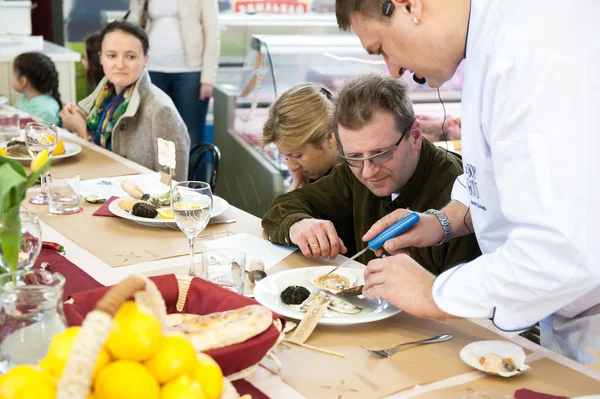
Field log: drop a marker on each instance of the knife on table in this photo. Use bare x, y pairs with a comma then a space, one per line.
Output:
393, 231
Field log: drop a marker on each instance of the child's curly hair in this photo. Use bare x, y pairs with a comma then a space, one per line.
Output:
40, 71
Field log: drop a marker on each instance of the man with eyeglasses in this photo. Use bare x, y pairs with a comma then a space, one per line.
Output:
388, 165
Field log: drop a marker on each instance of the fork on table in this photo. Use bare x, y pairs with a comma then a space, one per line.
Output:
384, 354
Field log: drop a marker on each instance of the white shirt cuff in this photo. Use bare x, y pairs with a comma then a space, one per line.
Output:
460, 192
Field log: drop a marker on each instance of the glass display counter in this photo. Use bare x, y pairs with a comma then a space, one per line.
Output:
252, 175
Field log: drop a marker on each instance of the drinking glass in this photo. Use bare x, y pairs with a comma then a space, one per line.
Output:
192, 205
31, 313
63, 194
31, 242
9, 125
225, 267
40, 136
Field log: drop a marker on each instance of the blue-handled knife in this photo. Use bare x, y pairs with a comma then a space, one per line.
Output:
393, 231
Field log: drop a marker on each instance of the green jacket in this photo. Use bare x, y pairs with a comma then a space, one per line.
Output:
340, 197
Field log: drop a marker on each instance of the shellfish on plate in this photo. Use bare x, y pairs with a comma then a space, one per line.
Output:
335, 304
502, 358
342, 279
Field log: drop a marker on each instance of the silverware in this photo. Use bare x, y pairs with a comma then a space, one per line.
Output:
221, 222
384, 354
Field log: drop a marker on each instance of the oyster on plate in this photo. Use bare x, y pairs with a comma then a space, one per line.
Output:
335, 304
17, 148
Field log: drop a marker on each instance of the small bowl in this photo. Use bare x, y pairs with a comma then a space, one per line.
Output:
471, 354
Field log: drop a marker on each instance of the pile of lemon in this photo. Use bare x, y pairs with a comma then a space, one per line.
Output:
137, 361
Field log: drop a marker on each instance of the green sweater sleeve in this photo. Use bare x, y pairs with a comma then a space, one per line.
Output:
329, 198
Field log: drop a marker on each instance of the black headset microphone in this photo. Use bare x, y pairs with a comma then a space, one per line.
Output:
388, 9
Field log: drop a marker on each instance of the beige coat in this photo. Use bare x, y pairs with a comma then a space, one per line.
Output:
199, 30
150, 114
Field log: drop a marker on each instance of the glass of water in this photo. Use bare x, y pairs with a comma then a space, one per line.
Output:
63, 194
225, 267
192, 205
40, 136
9, 125
31, 242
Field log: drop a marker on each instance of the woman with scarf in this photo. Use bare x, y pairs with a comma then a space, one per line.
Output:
127, 113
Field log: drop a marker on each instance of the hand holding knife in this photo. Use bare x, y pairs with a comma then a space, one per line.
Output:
393, 231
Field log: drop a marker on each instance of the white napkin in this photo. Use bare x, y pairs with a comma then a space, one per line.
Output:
254, 248
111, 186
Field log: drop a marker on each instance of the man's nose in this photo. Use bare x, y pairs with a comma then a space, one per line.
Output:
369, 170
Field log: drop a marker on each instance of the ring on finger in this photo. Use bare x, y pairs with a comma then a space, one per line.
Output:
314, 246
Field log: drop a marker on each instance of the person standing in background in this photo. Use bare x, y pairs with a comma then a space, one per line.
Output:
184, 54
91, 60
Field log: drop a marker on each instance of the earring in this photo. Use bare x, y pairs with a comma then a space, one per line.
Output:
417, 21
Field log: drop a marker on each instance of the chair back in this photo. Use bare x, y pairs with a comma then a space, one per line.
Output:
197, 154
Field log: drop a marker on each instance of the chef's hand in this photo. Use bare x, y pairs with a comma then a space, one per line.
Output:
206, 91
73, 120
401, 281
317, 238
298, 180
426, 233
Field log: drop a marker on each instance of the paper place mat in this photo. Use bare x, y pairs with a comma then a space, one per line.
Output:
90, 164
111, 186
119, 242
362, 376
254, 248
545, 376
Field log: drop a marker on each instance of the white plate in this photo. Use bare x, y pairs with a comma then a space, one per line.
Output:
219, 206
71, 149
267, 293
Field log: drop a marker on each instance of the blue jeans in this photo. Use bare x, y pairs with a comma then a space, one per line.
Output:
184, 90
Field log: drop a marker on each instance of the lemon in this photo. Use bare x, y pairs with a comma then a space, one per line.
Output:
42, 390
135, 334
184, 206
182, 387
60, 148
3, 152
208, 373
174, 357
165, 213
59, 350
126, 380
13, 382
39, 160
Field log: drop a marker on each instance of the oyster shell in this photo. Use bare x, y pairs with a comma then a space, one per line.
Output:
502, 358
336, 282
96, 199
335, 304
17, 148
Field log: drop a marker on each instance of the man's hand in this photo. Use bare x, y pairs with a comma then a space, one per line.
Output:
206, 91
426, 233
317, 238
401, 281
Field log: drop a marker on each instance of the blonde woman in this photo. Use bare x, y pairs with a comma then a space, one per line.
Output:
300, 127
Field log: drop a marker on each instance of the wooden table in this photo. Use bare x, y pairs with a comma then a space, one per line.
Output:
272, 384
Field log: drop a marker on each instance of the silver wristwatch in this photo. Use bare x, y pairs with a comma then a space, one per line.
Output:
446, 227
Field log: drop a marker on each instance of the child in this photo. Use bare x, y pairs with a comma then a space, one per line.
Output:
35, 75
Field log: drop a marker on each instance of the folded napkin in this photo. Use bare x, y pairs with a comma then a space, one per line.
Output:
529, 394
77, 279
245, 388
24, 121
103, 210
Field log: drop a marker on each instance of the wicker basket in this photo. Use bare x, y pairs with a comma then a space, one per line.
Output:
76, 378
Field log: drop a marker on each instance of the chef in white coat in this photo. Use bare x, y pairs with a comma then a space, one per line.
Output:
530, 104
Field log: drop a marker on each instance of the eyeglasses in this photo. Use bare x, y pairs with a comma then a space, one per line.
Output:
376, 159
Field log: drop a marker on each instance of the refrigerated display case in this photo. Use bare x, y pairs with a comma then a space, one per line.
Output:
252, 175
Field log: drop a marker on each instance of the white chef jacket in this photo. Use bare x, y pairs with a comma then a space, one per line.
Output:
530, 125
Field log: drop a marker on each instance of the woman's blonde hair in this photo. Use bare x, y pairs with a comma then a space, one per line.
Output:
301, 115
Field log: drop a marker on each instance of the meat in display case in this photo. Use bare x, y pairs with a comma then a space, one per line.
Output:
252, 175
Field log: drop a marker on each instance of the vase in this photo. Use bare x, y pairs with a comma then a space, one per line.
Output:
31, 313
31, 241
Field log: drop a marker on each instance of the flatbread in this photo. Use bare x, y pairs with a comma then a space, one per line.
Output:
217, 330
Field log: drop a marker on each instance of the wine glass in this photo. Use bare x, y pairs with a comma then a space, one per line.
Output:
192, 206
30, 242
40, 136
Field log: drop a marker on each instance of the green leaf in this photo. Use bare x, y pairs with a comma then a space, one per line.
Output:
20, 169
10, 180
10, 236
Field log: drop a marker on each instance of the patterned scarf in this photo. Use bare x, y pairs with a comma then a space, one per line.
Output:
105, 113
